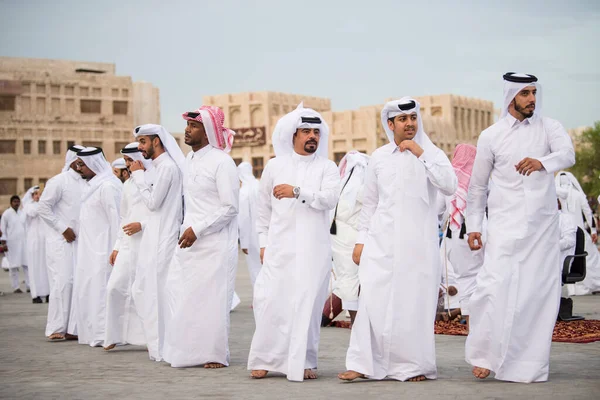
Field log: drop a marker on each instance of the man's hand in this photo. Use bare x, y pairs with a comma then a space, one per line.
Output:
188, 238
411, 146
357, 253
69, 235
262, 254
132, 228
137, 166
528, 165
245, 251
113, 257
283, 191
475, 242
594, 237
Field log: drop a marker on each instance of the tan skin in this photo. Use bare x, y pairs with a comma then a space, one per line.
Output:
306, 142
522, 106
121, 174
129, 229
405, 127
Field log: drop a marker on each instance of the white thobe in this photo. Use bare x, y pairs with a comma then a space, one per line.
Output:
567, 242
99, 223
123, 325
515, 304
400, 265
463, 263
164, 200
35, 250
292, 284
201, 277
578, 208
247, 226
12, 225
59, 207
346, 285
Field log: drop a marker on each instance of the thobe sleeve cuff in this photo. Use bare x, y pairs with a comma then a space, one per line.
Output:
117, 245
427, 158
143, 224
361, 237
306, 196
61, 227
262, 240
198, 229
473, 224
138, 175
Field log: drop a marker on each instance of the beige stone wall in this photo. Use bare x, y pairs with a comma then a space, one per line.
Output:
448, 119
50, 100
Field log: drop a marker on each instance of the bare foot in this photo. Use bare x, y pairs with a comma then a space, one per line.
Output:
310, 374
56, 336
481, 373
68, 336
213, 365
350, 375
109, 347
419, 378
258, 373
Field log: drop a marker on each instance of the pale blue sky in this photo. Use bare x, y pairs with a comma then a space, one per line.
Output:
354, 52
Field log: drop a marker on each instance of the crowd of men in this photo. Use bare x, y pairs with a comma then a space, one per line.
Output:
145, 251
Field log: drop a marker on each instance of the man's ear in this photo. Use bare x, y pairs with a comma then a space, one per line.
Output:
391, 124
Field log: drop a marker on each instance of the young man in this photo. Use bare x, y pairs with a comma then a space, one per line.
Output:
35, 248
344, 229
99, 223
123, 325
59, 208
247, 219
164, 200
514, 307
12, 226
202, 273
574, 202
119, 167
298, 190
399, 271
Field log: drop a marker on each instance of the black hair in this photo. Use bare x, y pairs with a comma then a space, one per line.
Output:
14, 197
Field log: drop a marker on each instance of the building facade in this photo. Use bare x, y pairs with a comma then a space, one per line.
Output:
47, 105
448, 120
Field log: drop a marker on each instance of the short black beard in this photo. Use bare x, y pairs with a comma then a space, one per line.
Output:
521, 110
309, 150
149, 153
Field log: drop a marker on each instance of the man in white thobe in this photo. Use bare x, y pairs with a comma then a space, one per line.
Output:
35, 248
12, 226
160, 233
298, 190
344, 229
202, 273
400, 270
574, 202
119, 167
247, 219
123, 325
99, 224
59, 207
514, 307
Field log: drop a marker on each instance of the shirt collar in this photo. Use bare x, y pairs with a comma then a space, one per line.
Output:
202, 152
299, 157
512, 121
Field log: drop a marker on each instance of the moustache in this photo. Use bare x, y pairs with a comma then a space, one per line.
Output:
311, 142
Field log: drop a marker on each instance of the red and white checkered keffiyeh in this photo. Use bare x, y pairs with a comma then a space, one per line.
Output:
213, 119
462, 162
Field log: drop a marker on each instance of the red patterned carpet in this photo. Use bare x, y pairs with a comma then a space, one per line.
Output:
586, 331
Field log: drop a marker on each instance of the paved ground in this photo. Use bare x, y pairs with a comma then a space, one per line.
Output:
33, 368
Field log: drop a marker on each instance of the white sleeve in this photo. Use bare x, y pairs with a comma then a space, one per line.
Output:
154, 196
587, 212
562, 154
480, 177
263, 219
111, 198
124, 214
50, 197
244, 219
327, 197
439, 171
370, 200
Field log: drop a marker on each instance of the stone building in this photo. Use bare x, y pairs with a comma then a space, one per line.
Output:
47, 105
448, 119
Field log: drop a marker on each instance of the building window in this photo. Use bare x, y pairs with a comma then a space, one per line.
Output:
7, 103
70, 143
8, 186
125, 93
84, 91
40, 105
91, 106
337, 157
26, 146
28, 182
257, 166
120, 145
40, 88
91, 144
119, 107
55, 89
115, 93
56, 147
8, 146
55, 105
43, 181
237, 161
69, 90
41, 147
97, 92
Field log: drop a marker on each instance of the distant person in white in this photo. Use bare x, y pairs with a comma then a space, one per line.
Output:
247, 219
12, 226
35, 249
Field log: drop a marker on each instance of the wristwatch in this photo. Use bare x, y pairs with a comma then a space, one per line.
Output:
296, 191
